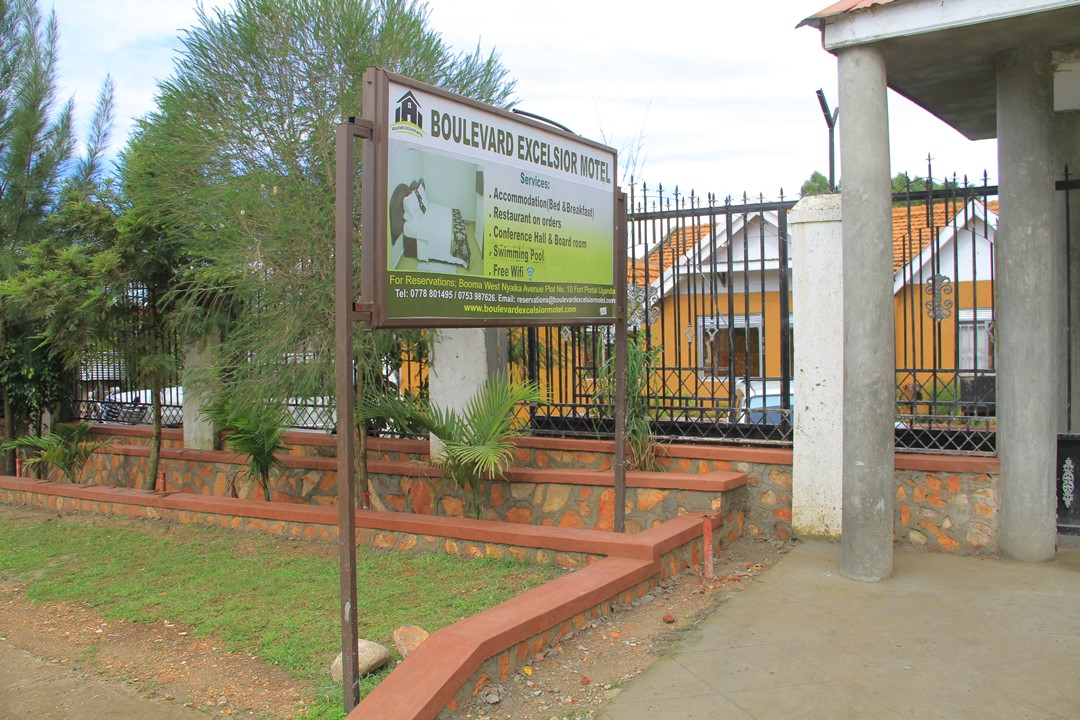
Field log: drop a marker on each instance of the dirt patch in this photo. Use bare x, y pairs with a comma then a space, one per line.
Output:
162, 661
575, 679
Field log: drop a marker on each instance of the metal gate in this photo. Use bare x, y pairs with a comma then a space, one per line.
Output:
1068, 445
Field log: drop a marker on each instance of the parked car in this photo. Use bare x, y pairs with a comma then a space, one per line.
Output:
761, 405
135, 406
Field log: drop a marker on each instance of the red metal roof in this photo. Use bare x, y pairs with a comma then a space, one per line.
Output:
839, 8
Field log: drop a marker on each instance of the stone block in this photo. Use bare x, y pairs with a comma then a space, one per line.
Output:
408, 637
556, 498
453, 506
571, 519
370, 656
649, 498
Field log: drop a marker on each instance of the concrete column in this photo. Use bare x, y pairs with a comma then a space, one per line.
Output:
1028, 354
199, 430
816, 256
869, 355
1067, 152
461, 361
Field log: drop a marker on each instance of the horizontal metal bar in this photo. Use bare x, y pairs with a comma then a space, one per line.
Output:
362, 128
711, 210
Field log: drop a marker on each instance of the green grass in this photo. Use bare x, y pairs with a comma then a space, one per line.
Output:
274, 598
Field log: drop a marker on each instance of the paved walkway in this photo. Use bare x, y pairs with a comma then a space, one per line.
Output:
946, 637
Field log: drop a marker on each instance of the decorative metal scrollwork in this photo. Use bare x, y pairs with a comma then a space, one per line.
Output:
939, 307
1068, 483
641, 305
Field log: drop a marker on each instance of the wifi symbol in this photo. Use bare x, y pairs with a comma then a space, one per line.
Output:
530, 270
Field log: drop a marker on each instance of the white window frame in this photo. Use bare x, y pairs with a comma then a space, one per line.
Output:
974, 326
711, 322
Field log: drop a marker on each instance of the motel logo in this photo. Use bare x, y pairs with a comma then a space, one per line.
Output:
408, 117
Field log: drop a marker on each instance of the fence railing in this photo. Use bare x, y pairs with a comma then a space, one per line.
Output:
710, 308
709, 284
943, 259
710, 302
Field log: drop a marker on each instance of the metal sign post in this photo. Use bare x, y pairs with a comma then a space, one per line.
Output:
345, 315
621, 350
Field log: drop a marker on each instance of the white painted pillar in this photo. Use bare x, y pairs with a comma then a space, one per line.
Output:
199, 430
1028, 305
869, 355
816, 259
461, 361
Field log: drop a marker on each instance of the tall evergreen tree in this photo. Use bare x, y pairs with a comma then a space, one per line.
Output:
35, 145
238, 163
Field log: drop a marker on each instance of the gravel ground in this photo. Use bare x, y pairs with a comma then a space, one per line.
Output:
575, 679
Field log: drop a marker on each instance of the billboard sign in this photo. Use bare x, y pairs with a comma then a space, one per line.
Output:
483, 217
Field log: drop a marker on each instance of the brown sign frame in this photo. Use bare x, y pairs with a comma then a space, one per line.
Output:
376, 277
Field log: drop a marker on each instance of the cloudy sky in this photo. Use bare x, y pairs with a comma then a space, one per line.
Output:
711, 96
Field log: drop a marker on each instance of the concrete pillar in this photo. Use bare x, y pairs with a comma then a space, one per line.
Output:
1028, 353
461, 361
869, 356
817, 482
1067, 152
199, 430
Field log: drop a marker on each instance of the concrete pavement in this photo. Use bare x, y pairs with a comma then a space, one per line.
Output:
945, 637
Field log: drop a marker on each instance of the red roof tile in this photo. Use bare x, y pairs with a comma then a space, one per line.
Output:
914, 228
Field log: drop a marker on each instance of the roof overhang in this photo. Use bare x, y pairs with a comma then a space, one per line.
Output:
941, 54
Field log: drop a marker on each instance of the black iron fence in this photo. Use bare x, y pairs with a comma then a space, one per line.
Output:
710, 303
112, 378
710, 313
111, 385
943, 259
709, 284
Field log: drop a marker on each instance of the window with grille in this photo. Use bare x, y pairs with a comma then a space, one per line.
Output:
975, 349
730, 351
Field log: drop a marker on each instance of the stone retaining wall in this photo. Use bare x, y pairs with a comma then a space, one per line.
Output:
949, 503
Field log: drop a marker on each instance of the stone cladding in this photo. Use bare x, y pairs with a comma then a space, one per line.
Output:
950, 512
947, 503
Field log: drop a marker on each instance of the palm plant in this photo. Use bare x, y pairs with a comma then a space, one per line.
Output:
477, 442
257, 431
64, 448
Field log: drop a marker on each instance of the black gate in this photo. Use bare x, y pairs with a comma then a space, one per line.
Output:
709, 309
1068, 446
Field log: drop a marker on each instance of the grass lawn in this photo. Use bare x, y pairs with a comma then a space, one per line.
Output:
274, 598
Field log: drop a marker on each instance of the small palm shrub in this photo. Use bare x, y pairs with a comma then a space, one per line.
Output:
477, 442
257, 431
65, 448
639, 425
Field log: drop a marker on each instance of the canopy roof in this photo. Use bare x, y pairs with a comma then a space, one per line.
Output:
941, 54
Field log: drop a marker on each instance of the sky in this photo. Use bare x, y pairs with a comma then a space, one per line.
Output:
706, 96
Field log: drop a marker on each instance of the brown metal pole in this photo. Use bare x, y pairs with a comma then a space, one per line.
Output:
346, 444
621, 337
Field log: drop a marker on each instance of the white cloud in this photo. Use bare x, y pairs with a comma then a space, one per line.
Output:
134, 41
722, 94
